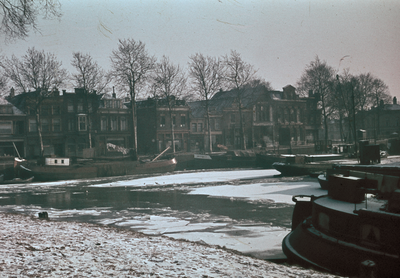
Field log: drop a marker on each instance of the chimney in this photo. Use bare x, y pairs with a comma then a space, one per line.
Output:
114, 95
394, 100
12, 92
64, 92
310, 93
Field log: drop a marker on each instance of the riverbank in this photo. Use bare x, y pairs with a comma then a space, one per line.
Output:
31, 247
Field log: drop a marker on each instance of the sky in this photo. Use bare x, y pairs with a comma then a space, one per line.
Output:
278, 37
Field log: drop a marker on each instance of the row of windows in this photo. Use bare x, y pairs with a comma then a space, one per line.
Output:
113, 103
79, 107
112, 124
197, 127
181, 124
56, 109
6, 109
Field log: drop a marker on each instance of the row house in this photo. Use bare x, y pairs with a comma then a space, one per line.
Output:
380, 122
283, 117
12, 129
157, 119
71, 122
268, 118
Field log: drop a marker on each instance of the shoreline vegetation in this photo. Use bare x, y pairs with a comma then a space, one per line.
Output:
32, 247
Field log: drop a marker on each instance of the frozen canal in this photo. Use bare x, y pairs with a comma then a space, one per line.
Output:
244, 210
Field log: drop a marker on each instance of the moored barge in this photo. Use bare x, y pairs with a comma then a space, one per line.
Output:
345, 232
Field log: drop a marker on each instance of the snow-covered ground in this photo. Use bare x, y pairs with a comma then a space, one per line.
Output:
40, 248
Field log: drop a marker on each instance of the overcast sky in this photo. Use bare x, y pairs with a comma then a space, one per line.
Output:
280, 38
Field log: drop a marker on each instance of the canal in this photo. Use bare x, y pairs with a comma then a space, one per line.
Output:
244, 210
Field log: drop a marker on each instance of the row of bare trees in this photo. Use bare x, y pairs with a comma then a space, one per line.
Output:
133, 71
344, 95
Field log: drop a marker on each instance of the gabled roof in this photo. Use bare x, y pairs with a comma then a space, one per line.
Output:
16, 111
197, 108
248, 96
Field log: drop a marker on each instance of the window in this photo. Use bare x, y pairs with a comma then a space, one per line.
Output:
6, 109
173, 120
32, 125
162, 120
6, 127
45, 125
200, 127
80, 106
103, 124
70, 106
183, 120
212, 124
217, 124
123, 123
45, 110
82, 123
114, 125
233, 118
194, 127
56, 110
71, 124
56, 125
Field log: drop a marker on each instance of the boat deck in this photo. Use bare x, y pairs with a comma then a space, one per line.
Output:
346, 207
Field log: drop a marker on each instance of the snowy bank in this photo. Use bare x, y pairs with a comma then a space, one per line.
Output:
38, 248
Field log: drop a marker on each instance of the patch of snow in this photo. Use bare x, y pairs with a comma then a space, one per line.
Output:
190, 178
277, 192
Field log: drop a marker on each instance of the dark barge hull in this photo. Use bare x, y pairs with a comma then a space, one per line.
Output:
298, 169
101, 169
311, 247
383, 169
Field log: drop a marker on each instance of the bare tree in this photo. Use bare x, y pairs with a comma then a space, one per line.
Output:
347, 88
131, 65
92, 79
260, 82
318, 78
207, 78
371, 91
90, 76
170, 83
19, 16
380, 93
238, 73
38, 71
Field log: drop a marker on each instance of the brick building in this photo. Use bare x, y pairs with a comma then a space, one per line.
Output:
72, 121
12, 129
156, 121
268, 118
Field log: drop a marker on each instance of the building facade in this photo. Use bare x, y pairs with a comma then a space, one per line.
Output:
258, 117
12, 130
70, 122
162, 123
